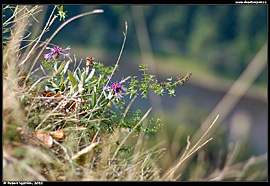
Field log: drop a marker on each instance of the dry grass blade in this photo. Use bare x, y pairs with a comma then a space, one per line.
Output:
128, 107
206, 132
10, 52
39, 38
235, 170
169, 174
251, 161
84, 151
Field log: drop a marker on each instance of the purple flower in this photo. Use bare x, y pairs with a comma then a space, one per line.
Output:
56, 52
117, 88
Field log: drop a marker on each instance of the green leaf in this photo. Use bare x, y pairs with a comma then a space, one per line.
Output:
66, 67
80, 73
60, 69
144, 93
171, 92
80, 87
61, 13
90, 75
60, 8
62, 87
74, 90
72, 79
76, 76
54, 84
94, 99
62, 79
55, 65
83, 77
104, 103
169, 79
45, 64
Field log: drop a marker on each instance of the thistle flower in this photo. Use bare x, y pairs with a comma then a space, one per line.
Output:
56, 52
117, 88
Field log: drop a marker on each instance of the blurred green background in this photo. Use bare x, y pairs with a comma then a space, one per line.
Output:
219, 39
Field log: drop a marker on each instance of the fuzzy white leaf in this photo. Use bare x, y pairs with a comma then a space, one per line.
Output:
90, 75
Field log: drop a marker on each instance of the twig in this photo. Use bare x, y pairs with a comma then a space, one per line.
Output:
66, 97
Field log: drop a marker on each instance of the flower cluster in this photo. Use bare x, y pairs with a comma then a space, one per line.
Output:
56, 52
116, 88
